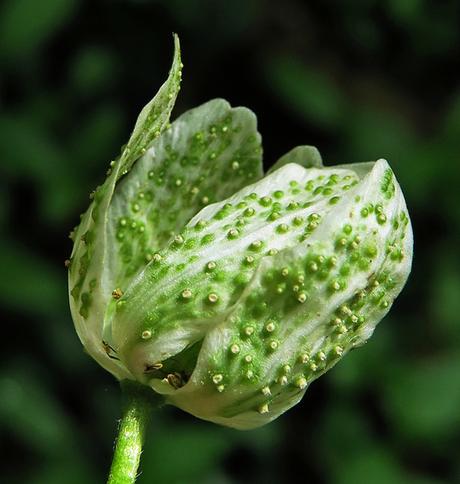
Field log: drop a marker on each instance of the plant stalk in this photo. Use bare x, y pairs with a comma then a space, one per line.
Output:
138, 406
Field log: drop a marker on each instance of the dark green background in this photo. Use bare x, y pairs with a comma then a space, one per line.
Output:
360, 79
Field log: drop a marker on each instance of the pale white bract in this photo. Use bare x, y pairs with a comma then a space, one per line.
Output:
224, 290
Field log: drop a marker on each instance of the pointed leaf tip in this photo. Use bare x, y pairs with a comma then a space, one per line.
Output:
154, 116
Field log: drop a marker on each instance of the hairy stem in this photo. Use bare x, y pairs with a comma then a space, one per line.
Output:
138, 406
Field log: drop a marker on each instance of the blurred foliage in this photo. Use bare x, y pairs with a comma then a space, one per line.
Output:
360, 79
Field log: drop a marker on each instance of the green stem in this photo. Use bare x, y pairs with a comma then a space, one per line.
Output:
139, 403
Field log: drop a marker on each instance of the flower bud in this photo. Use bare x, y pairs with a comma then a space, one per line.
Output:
225, 291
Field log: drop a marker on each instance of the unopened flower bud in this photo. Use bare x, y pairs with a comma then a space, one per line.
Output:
229, 311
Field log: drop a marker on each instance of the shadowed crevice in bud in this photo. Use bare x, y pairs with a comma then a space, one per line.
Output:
176, 370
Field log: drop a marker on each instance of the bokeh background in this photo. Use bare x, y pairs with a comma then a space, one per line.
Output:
360, 79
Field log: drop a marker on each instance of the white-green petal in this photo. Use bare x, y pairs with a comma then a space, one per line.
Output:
90, 283
206, 155
214, 257
307, 305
